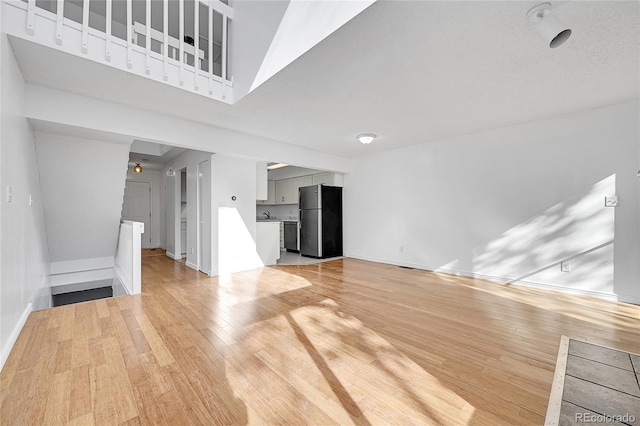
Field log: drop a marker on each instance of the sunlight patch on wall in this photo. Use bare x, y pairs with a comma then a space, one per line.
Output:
236, 246
449, 267
532, 249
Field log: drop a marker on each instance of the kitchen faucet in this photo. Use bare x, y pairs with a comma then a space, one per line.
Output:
267, 214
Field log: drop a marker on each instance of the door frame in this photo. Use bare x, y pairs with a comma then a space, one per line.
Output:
200, 241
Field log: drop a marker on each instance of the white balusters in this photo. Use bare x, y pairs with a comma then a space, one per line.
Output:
31, 16
85, 26
165, 39
129, 30
223, 72
181, 42
107, 38
196, 45
210, 20
147, 59
59, 19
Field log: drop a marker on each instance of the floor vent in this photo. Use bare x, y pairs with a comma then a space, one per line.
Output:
82, 296
406, 267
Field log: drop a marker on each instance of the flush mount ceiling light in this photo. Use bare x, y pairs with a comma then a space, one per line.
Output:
276, 166
366, 138
550, 28
137, 168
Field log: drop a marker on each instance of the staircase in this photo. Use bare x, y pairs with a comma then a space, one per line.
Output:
82, 183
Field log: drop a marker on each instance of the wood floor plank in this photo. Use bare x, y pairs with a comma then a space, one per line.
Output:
340, 342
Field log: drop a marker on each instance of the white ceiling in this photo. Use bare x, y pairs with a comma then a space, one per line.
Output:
409, 71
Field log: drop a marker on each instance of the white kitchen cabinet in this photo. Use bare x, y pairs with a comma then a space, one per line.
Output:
284, 192
331, 179
271, 191
298, 183
271, 194
267, 242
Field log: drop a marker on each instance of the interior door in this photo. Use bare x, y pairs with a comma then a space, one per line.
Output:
204, 217
137, 207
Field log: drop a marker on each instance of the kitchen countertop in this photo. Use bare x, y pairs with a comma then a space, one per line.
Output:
277, 220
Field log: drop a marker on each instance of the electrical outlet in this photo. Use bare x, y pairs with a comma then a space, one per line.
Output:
191, 250
565, 267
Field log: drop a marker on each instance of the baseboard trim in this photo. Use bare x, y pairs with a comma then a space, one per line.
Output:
173, 256
192, 265
499, 279
13, 337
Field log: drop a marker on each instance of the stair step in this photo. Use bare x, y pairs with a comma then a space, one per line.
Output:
82, 296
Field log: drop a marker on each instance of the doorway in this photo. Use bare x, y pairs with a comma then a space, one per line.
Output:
137, 207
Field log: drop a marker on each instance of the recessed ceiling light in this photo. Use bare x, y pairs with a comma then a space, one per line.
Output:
366, 138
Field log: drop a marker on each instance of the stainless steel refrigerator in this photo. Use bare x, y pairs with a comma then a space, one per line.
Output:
320, 221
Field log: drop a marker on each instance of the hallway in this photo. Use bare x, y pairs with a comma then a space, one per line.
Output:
338, 342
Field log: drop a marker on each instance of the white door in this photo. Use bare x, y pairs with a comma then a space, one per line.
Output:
204, 217
137, 207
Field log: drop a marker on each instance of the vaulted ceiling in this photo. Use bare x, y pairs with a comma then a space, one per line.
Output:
409, 71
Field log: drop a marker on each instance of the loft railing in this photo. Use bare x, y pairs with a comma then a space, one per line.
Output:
183, 40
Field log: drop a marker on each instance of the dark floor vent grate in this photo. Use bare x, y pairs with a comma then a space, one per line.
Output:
406, 267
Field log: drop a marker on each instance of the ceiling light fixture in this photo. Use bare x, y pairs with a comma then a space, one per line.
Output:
550, 28
276, 166
366, 138
137, 168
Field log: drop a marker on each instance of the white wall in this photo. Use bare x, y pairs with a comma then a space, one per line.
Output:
55, 106
268, 36
508, 202
24, 262
83, 185
234, 221
155, 179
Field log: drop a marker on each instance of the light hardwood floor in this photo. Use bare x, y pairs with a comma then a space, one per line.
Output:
340, 342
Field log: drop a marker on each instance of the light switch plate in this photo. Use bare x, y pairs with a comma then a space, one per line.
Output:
611, 201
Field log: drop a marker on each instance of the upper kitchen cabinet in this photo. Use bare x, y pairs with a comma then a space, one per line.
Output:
284, 192
331, 179
271, 194
298, 183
